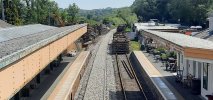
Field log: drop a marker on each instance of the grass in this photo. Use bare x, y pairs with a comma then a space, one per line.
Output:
134, 46
128, 30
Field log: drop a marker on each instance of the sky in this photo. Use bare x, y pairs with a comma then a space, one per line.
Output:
95, 4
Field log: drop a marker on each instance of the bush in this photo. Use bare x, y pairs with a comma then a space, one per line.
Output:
171, 54
164, 56
135, 45
161, 50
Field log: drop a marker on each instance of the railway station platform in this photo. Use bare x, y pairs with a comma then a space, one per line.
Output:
170, 77
68, 84
153, 78
155, 70
50, 80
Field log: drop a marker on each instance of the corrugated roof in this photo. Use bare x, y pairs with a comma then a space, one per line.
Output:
17, 48
183, 40
143, 26
20, 31
206, 34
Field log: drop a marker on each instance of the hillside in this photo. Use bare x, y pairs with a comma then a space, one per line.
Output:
112, 16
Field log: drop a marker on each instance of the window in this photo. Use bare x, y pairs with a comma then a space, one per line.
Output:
205, 75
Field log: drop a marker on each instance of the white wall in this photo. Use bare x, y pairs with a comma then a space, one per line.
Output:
211, 23
190, 67
181, 61
205, 92
198, 70
195, 68
185, 70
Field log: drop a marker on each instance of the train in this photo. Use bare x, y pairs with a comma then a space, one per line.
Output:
120, 42
93, 32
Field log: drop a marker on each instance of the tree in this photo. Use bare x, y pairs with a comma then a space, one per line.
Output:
19, 12
12, 11
188, 12
145, 8
127, 15
72, 12
64, 15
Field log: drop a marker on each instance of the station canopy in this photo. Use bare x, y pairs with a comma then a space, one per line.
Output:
183, 40
26, 39
20, 31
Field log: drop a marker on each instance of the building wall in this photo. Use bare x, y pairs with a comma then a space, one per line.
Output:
211, 23
205, 92
181, 60
199, 74
191, 55
71, 47
18, 74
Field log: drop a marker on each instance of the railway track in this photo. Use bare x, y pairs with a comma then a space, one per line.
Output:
130, 86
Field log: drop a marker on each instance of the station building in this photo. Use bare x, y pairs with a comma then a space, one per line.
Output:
194, 55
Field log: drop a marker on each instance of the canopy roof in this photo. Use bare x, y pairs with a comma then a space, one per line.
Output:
183, 40
144, 26
20, 31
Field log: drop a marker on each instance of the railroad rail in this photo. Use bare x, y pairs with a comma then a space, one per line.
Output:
129, 83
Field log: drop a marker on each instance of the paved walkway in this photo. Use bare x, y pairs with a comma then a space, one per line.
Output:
48, 80
169, 77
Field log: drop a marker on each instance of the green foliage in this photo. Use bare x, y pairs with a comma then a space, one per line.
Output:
128, 29
12, 11
190, 12
127, 15
168, 54
20, 12
113, 21
92, 22
112, 16
161, 49
171, 54
134, 45
97, 14
164, 56
146, 9
106, 20
72, 12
